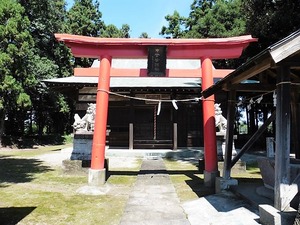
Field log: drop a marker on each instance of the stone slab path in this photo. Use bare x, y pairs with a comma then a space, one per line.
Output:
153, 200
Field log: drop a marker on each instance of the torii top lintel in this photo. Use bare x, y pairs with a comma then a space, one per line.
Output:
213, 48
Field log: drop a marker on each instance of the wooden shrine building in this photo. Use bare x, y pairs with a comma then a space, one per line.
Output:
136, 123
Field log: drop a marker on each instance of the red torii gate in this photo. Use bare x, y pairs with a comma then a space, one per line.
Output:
107, 48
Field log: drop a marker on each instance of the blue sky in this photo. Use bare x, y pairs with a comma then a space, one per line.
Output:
141, 15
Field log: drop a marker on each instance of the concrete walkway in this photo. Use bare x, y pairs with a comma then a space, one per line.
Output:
153, 201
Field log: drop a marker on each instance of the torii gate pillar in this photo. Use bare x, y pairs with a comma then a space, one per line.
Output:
209, 127
97, 172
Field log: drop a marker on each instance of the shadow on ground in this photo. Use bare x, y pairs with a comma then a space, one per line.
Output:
20, 170
13, 215
31, 141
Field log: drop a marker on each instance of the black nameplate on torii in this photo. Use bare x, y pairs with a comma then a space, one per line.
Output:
157, 61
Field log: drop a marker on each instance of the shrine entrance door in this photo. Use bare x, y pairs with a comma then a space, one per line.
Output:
152, 130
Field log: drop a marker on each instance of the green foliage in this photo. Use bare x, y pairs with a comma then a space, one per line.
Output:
52, 60
208, 18
175, 27
144, 35
16, 49
84, 18
46, 18
271, 20
111, 31
125, 31
30, 53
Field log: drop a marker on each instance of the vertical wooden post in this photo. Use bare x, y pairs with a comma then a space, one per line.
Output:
131, 121
130, 136
295, 110
174, 136
210, 147
97, 170
283, 125
229, 134
270, 147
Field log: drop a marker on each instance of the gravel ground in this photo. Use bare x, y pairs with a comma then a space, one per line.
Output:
56, 158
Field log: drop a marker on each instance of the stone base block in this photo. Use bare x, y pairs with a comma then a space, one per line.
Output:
75, 166
97, 177
224, 184
271, 216
210, 178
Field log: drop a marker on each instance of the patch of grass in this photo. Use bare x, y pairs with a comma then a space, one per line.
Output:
187, 180
34, 193
252, 172
55, 207
252, 167
122, 180
68, 138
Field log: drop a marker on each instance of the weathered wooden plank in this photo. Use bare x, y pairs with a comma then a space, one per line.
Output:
283, 134
252, 71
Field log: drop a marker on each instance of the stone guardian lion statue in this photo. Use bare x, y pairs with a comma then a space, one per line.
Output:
221, 121
87, 122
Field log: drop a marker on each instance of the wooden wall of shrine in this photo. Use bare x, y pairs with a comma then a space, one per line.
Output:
170, 128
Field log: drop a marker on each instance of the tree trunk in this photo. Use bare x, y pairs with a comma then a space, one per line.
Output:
2, 116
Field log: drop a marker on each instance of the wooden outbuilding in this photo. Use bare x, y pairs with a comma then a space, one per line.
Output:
276, 72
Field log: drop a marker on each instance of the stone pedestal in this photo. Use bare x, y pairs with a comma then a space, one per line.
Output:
221, 145
82, 145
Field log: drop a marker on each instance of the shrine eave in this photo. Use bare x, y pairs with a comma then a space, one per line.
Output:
214, 48
127, 82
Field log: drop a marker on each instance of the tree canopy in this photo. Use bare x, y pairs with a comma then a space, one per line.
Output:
15, 56
271, 20
208, 18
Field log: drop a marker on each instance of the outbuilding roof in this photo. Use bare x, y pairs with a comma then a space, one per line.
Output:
262, 68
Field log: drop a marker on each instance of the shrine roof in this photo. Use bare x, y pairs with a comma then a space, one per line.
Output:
127, 82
